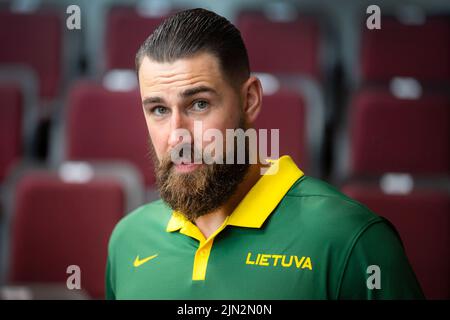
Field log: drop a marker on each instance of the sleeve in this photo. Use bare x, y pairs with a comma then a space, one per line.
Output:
377, 267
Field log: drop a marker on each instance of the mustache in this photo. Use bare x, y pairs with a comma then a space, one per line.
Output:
185, 153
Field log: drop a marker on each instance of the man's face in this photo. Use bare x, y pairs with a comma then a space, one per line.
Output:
174, 95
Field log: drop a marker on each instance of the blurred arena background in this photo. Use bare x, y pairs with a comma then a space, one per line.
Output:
366, 110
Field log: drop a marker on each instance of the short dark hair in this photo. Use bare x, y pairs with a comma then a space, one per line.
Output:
193, 31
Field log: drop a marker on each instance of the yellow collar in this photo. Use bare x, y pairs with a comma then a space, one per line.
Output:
259, 202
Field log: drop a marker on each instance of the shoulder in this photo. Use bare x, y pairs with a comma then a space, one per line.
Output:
151, 217
317, 197
314, 188
317, 205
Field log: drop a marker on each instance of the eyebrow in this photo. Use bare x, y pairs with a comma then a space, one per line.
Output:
193, 91
185, 94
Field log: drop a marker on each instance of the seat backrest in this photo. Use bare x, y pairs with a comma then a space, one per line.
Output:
34, 40
281, 47
56, 224
126, 30
388, 134
107, 125
420, 51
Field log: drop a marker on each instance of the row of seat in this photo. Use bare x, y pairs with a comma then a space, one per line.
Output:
384, 133
301, 39
275, 45
62, 217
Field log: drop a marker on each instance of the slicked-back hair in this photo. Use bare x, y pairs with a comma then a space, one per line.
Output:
195, 31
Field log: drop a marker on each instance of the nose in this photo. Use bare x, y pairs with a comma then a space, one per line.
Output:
178, 129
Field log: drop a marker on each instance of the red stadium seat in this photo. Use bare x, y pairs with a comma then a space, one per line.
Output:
64, 217
11, 113
388, 134
126, 30
420, 51
281, 47
58, 224
422, 219
286, 111
34, 40
104, 125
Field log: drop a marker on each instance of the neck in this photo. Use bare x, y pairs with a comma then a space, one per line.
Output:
212, 221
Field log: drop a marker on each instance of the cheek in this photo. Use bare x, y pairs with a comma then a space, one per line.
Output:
158, 139
228, 117
229, 120
222, 123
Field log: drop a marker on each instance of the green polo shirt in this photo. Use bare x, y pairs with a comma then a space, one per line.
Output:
291, 237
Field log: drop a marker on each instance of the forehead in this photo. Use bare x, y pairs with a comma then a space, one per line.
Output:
201, 69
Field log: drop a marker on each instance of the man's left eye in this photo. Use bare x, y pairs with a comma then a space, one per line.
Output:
200, 105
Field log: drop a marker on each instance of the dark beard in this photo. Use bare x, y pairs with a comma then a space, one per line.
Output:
201, 191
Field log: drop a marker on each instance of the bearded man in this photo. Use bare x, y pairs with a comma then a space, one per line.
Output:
223, 230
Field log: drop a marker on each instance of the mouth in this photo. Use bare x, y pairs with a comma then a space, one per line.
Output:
185, 167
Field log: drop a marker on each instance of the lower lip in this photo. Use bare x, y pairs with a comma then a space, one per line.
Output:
186, 167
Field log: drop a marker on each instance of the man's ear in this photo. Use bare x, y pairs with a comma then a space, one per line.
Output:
252, 97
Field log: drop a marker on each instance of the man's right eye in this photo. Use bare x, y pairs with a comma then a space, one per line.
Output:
159, 111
